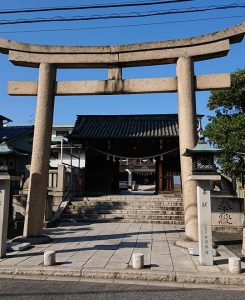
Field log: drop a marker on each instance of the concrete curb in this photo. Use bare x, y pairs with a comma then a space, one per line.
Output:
136, 275
214, 278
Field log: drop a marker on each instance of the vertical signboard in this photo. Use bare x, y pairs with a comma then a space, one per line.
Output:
204, 223
4, 211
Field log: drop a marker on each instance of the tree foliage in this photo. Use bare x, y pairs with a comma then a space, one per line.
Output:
227, 128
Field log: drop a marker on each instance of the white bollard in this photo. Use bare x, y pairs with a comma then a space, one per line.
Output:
49, 258
234, 265
138, 261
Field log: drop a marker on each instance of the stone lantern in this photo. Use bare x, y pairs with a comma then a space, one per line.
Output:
203, 158
204, 171
8, 157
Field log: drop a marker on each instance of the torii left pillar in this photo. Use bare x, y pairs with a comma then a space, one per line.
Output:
36, 199
187, 139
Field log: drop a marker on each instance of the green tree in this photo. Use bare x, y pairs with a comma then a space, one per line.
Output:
227, 128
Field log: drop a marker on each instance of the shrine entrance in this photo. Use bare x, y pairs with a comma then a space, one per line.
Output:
124, 152
138, 176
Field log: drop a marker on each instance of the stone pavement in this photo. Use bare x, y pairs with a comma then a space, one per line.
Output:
107, 248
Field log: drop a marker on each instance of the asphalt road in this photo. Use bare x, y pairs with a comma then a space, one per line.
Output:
44, 289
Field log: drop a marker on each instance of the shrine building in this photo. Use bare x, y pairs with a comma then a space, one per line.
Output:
146, 146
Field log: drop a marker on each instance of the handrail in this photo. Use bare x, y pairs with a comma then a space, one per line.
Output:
61, 206
58, 212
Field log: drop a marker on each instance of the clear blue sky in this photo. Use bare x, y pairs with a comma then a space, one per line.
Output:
22, 109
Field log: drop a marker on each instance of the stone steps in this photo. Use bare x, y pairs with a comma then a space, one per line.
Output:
178, 211
153, 209
137, 204
121, 220
127, 197
123, 216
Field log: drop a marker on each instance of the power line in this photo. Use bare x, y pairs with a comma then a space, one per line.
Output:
123, 26
123, 16
96, 6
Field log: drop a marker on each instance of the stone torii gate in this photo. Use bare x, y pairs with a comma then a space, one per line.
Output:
182, 52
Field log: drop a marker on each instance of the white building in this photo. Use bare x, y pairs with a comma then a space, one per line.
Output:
64, 152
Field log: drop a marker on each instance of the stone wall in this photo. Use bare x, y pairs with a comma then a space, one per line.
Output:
227, 213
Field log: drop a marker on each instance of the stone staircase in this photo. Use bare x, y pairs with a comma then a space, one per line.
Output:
164, 209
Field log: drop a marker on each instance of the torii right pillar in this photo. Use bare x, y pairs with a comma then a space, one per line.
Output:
187, 139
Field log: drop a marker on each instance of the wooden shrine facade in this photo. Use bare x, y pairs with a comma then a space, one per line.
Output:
109, 140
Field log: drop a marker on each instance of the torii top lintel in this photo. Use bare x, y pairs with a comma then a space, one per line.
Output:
162, 52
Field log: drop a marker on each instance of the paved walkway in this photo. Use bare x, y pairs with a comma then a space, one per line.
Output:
110, 246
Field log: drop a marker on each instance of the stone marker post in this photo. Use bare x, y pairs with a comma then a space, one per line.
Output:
243, 238
204, 223
5, 181
204, 184
4, 212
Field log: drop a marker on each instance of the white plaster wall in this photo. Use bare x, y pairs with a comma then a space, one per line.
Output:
67, 159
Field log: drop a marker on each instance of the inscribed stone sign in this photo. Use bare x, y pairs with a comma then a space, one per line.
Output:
204, 223
227, 211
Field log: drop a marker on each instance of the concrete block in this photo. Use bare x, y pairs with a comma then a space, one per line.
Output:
195, 252
234, 265
18, 246
138, 261
49, 258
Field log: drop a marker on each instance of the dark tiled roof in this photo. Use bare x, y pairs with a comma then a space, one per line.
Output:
2, 118
6, 149
12, 132
125, 126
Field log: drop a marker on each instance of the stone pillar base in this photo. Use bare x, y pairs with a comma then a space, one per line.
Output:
190, 244
34, 240
186, 244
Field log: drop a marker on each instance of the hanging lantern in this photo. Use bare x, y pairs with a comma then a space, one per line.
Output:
107, 157
161, 157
